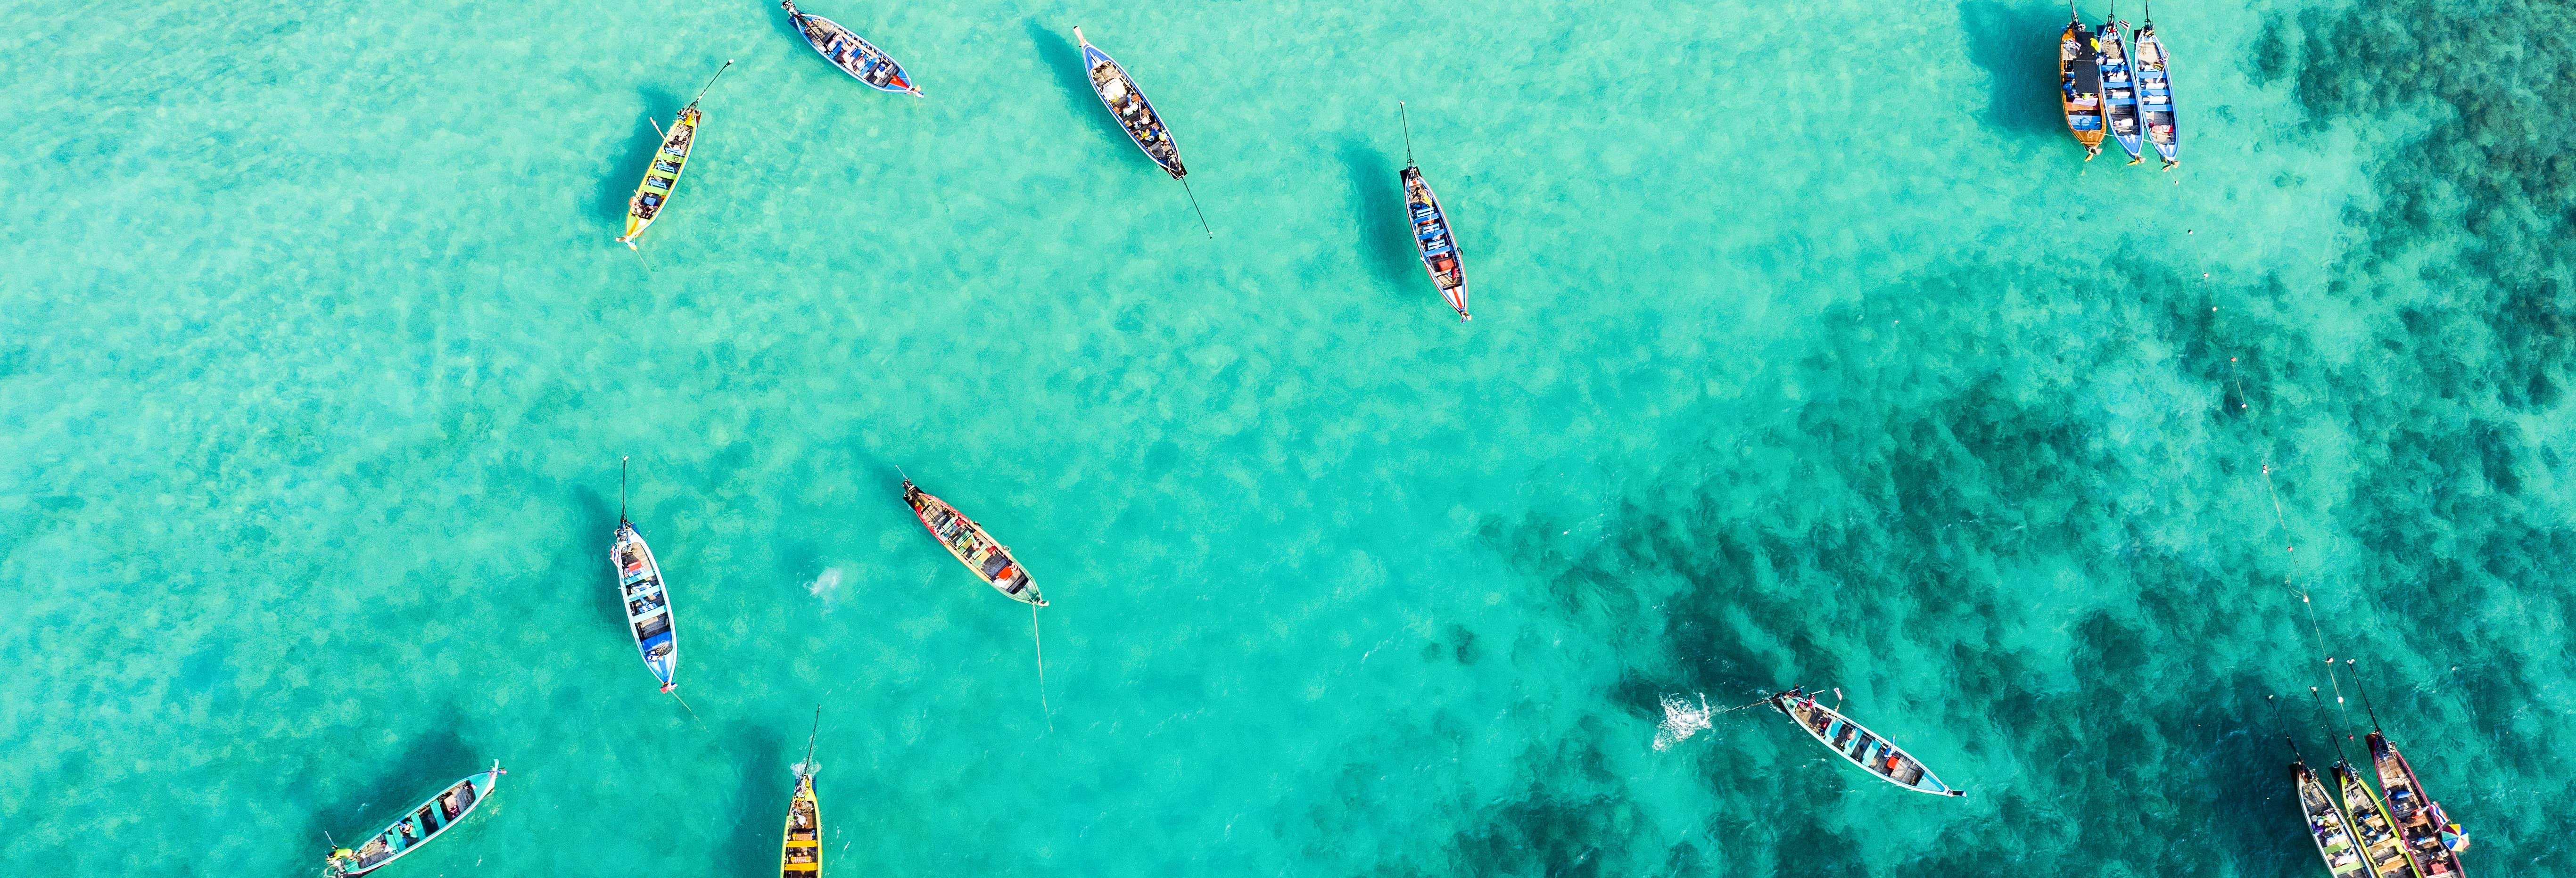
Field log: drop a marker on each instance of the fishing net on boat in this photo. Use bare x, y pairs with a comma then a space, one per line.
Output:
1681, 721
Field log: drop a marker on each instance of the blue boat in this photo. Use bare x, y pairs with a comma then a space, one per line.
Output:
416, 827
2119, 90
2155, 94
648, 607
1431, 237
857, 57
1128, 105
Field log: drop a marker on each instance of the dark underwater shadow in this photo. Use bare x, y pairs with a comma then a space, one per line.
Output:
629, 170
429, 761
1377, 208
2014, 44
577, 563
1063, 59
761, 802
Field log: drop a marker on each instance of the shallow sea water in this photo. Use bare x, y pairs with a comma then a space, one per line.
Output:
1806, 351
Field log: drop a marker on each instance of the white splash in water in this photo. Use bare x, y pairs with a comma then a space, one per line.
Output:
1681, 721
827, 586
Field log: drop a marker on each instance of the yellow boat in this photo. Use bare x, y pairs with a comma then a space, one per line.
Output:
800, 854
654, 194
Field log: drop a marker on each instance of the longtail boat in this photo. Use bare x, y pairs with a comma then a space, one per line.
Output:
2381, 849
2433, 838
855, 56
416, 827
2430, 834
2155, 93
800, 852
663, 175
1119, 94
2079, 73
1858, 746
648, 602
991, 561
2328, 826
1431, 238
2119, 90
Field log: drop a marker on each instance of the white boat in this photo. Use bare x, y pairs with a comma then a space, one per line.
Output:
1859, 746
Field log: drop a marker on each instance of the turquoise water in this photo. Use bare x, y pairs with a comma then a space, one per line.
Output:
1806, 352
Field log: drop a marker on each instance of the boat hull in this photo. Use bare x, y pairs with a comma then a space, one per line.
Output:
2420, 821
970, 545
662, 177
418, 826
2328, 826
2383, 854
1858, 745
648, 604
800, 851
1127, 104
851, 53
2119, 91
2079, 74
1433, 242
2155, 96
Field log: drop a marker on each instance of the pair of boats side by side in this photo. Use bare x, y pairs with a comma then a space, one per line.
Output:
2105, 88
1118, 93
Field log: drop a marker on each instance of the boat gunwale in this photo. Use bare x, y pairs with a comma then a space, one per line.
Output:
1779, 700
1175, 167
1457, 255
900, 73
2304, 777
2377, 742
2346, 779
670, 621
481, 793
920, 513
688, 116
804, 794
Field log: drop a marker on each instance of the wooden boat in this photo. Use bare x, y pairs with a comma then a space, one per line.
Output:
416, 827
857, 57
1431, 238
1125, 102
2427, 832
2155, 94
1858, 746
800, 852
648, 607
2119, 90
2381, 850
991, 561
2079, 73
663, 175
2328, 826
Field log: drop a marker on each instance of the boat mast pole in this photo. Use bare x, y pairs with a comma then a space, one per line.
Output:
2365, 694
807, 766
711, 82
1194, 205
621, 488
1407, 120
2321, 709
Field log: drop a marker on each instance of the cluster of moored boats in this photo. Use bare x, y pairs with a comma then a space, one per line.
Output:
1118, 94
2113, 81
2394, 831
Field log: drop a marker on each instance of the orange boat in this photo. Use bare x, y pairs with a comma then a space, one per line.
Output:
2079, 74
991, 561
